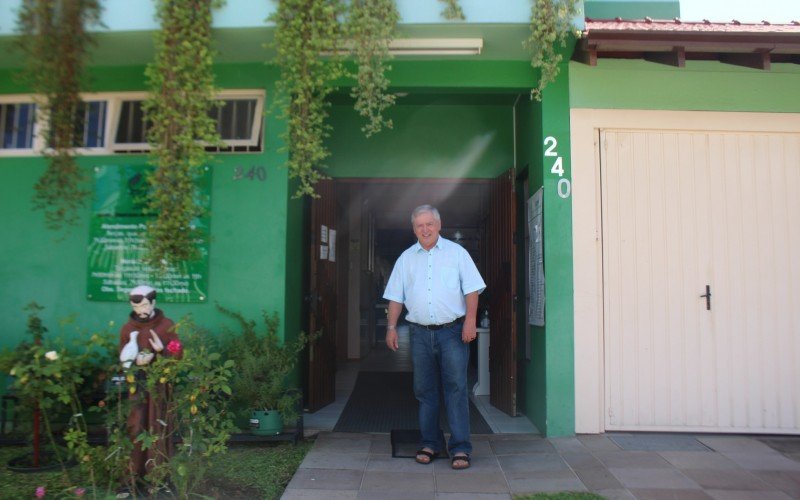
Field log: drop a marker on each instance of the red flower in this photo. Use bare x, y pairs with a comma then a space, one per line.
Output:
174, 346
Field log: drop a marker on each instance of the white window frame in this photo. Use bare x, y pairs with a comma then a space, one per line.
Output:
114, 102
113, 119
258, 120
38, 144
255, 131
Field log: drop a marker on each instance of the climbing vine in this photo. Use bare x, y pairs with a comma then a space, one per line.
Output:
181, 85
551, 26
55, 43
452, 10
305, 29
372, 25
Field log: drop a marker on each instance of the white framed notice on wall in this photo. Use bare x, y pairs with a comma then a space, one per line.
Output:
332, 245
535, 259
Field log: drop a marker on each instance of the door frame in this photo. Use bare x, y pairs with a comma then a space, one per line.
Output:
342, 301
587, 234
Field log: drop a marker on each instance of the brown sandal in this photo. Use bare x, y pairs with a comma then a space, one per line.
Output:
425, 457
460, 458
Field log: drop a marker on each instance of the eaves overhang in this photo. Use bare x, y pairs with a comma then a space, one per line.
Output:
673, 42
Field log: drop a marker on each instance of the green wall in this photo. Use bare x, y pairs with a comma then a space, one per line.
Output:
440, 141
250, 231
700, 86
632, 9
547, 379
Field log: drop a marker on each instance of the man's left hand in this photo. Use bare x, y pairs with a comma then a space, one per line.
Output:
469, 332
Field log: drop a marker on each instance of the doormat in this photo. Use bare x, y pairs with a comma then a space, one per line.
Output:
382, 401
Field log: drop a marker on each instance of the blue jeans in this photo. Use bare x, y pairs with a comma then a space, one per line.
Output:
440, 355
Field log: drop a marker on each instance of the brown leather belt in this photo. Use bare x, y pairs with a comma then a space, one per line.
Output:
457, 321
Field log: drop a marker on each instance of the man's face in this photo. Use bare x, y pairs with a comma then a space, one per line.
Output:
426, 229
144, 308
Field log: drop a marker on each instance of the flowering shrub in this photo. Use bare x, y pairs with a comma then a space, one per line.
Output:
57, 379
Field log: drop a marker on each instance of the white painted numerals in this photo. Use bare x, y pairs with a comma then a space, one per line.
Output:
563, 187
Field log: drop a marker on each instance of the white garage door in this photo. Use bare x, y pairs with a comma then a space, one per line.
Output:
683, 211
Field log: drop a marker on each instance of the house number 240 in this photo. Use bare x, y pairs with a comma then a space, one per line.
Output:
564, 187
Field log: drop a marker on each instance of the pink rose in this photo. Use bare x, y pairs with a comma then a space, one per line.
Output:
79, 492
40, 492
174, 346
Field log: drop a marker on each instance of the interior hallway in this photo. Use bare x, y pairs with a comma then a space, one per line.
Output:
381, 358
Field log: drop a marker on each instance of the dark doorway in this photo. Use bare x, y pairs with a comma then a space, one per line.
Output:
373, 226
376, 215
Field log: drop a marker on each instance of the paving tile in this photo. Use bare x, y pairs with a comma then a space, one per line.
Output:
698, 460
483, 447
326, 479
522, 447
582, 460
660, 494
381, 448
471, 482
394, 495
597, 478
319, 495
343, 445
391, 482
783, 444
397, 465
654, 479
597, 442
616, 494
726, 479
632, 459
480, 463
473, 496
659, 442
535, 462
544, 481
514, 437
725, 444
785, 481
328, 459
747, 495
771, 460
568, 445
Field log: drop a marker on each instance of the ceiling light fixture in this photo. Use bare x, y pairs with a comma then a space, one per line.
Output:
436, 46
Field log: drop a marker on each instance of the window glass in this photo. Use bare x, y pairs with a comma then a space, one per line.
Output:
132, 128
90, 128
16, 125
235, 119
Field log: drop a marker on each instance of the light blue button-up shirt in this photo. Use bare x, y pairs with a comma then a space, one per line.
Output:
432, 284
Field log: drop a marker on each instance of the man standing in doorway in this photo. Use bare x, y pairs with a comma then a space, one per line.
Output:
439, 284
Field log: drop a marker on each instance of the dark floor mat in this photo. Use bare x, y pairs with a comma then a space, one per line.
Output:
382, 401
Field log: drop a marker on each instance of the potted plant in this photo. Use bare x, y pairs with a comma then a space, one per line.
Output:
261, 377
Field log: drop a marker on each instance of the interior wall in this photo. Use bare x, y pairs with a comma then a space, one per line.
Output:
433, 141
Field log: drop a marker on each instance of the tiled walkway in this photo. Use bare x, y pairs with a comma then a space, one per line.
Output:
615, 466
517, 460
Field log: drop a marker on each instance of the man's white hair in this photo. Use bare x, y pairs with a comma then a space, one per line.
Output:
425, 209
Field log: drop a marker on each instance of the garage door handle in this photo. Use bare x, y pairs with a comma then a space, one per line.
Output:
708, 297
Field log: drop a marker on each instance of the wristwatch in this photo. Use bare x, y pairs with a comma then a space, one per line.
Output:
390, 327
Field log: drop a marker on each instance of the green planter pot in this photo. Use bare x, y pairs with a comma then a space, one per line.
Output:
266, 423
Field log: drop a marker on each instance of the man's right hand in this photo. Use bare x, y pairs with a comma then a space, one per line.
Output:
391, 338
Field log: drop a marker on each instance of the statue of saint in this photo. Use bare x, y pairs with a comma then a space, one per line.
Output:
147, 335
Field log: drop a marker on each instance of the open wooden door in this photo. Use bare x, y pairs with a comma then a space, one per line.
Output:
322, 298
502, 289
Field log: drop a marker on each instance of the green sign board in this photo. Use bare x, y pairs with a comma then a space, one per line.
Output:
116, 240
